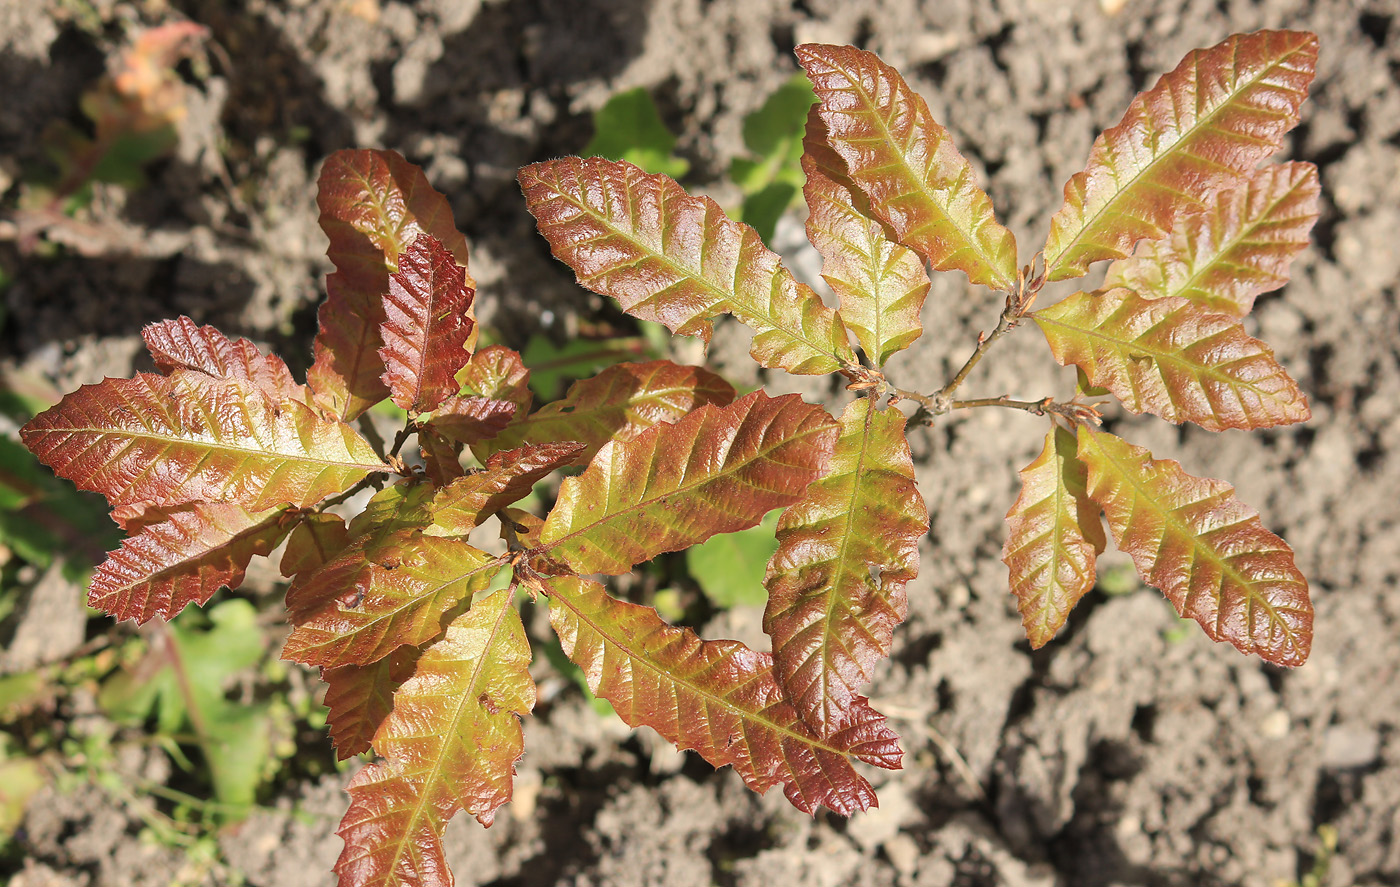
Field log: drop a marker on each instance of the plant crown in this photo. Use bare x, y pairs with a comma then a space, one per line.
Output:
222, 455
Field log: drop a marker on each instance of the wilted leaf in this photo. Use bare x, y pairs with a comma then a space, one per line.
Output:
845, 553
184, 560
677, 259
1201, 127
181, 344
360, 697
906, 165
1053, 536
188, 437
451, 742
616, 404
508, 477
1171, 357
1238, 246
410, 582
717, 470
881, 284
716, 697
426, 327
1207, 551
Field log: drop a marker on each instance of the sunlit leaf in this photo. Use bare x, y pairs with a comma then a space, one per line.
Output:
845, 553
906, 165
184, 560
1239, 246
616, 404
508, 477
1053, 536
717, 470
360, 697
190, 437
181, 344
718, 698
1201, 127
881, 284
451, 744
677, 259
1207, 551
1171, 357
426, 326
497, 373
373, 205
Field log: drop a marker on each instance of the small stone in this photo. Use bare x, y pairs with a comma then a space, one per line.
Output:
1347, 746
903, 852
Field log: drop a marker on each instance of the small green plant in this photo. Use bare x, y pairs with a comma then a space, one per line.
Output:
222, 455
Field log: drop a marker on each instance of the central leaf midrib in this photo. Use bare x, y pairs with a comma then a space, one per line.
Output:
217, 445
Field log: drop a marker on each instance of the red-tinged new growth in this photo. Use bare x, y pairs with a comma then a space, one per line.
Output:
426, 326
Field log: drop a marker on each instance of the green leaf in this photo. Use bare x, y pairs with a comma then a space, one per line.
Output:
629, 128
554, 367
730, 567
772, 177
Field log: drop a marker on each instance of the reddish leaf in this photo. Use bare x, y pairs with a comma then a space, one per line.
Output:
181, 344
426, 326
184, 560
508, 477
497, 373
905, 163
1201, 127
616, 404
398, 597
845, 552
373, 205
441, 455
717, 470
1171, 357
1053, 536
317, 538
466, 420
360, 697
189, 437
451, 741
881, 284
1239, 246
1207, 551
718, 698
670, 257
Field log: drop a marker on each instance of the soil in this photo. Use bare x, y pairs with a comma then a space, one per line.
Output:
1121, 754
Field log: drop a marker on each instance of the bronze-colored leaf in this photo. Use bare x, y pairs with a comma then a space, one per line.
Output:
1053, 537
467, 420
317, 537
718, 698
508, 477
1200, 128
906, 165
836, 582
426, 326
360, 697
1207, 551
182, 344
1171, 357
679, 260
497, 373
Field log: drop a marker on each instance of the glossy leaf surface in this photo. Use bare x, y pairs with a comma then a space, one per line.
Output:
373, 205
881, 284
426, 326
717, 470
1206, 123
1053, 537
616, 404
670, 257
1207, 551
507, 477
718, 698
183, 560
845, 553
451, 744
905, 163
188, 437
182, 344
399, 598
1171, 357
1239, 246
467, 420
497, 373
360, 697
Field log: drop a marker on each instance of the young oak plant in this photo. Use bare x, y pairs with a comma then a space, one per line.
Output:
222, 455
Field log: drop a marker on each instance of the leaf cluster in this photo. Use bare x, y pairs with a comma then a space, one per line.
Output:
222, 455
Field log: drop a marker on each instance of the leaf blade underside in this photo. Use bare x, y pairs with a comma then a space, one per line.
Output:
1213, 118
1053, 537
718, 698
1208, 552
881, 284
679, 260
845, 552
189, 437
717, 470
1172, 358
450, 743
1239, 246
617, 404
905, 163
426, 326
